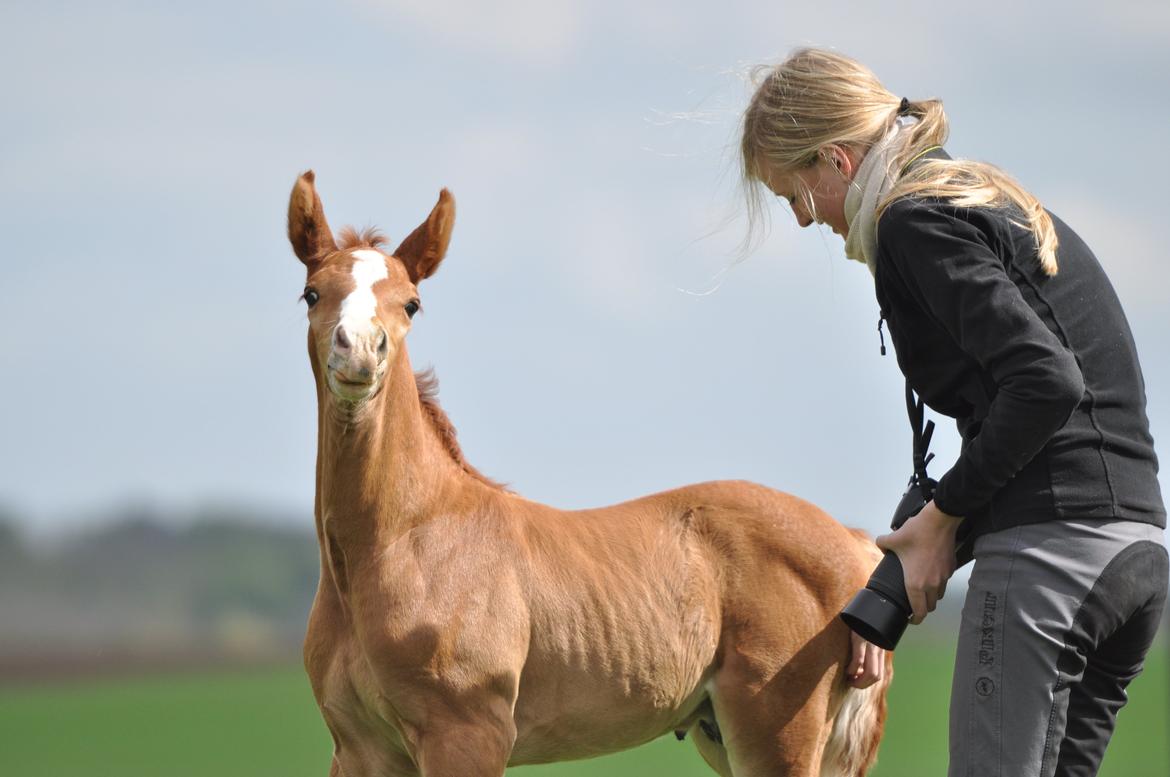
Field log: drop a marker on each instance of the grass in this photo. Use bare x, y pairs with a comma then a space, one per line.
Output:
257, 723
264, 723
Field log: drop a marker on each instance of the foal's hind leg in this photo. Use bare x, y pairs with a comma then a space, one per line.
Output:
462, 748
770, 735
714, 753
775, 722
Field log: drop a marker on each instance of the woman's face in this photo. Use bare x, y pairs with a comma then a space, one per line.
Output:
817, 193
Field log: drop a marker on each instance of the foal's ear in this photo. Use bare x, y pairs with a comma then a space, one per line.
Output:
425, 247
307, 229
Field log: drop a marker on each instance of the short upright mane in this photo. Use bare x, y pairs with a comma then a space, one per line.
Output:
428, 397
370, 237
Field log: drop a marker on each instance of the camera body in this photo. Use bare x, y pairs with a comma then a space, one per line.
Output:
880, 612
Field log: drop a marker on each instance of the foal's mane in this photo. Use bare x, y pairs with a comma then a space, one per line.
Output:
370, 237
428, 397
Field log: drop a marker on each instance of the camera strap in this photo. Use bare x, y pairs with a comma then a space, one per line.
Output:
915, 408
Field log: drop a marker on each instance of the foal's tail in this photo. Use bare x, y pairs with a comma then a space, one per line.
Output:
853, 742
857, 730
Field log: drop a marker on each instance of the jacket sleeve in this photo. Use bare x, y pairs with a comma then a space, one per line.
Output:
950, 269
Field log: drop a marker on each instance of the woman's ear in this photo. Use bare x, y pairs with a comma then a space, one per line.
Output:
842, 158
833, 156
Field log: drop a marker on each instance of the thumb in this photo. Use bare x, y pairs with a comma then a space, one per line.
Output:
884, 541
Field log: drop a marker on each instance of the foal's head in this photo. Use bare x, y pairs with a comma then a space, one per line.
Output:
361, 299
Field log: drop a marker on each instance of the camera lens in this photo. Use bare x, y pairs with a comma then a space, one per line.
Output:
880, 611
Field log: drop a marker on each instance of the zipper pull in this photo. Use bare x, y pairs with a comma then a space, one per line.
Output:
881, 337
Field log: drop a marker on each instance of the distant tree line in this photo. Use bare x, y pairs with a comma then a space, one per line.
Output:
148, 584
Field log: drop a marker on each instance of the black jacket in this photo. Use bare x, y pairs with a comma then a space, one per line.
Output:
1041, 373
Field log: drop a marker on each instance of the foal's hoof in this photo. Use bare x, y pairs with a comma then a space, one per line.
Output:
680, 735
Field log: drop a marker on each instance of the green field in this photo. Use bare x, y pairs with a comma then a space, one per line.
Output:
263, 723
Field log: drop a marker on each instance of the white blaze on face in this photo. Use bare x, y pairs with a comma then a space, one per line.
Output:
360, 307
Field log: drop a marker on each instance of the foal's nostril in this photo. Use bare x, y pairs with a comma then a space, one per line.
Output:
383, 343
340, 341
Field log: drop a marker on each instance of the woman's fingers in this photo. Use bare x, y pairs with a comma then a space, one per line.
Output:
931, 598
928, 595
875, 663
857, 657
917, 598
866, 664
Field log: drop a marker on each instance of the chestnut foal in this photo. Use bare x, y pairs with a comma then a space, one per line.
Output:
459, 628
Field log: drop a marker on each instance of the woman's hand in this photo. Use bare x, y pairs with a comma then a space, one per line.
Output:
868, 664
926, 547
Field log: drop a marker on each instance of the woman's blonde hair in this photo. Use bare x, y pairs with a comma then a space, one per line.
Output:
817, 98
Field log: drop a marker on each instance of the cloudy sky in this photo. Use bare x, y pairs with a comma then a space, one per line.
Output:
154, 346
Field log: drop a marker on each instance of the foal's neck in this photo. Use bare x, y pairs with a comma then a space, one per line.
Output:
381, 469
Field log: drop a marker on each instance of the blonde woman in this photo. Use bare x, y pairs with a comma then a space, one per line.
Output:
1003, 319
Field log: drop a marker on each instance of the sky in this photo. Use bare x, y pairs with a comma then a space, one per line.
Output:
595, 335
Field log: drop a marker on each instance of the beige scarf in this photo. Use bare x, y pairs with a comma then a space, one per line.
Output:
869, 186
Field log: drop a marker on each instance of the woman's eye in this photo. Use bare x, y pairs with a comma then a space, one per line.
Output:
411, 308
311, 296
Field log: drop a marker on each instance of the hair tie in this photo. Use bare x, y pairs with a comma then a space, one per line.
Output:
904, 107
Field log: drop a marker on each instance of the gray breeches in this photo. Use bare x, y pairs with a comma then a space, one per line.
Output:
1057, 622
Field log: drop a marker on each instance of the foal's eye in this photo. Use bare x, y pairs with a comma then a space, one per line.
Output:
310, 296
411, 308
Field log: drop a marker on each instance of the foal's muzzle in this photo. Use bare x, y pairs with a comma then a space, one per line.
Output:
357, 361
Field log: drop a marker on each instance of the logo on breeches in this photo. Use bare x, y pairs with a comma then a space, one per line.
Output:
987, 630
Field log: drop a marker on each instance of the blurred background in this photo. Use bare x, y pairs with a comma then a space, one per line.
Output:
594, 328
